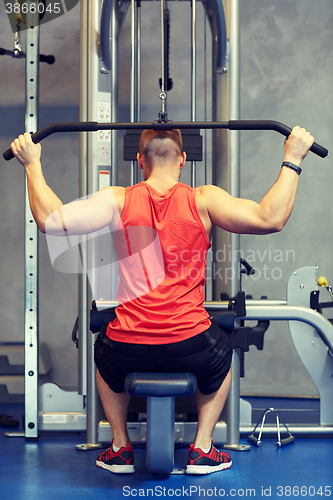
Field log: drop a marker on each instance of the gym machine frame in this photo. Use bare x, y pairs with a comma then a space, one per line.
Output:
90, 67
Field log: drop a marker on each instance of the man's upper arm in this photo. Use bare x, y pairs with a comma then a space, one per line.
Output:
85, 216
235, 215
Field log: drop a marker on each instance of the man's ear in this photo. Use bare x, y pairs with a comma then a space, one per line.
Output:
182, 159
139, 158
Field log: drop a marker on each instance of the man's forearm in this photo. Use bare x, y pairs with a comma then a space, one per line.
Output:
278, 203
43, 201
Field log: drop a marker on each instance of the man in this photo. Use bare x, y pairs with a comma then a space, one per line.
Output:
163, 326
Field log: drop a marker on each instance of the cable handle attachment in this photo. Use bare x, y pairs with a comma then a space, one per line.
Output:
163, 115
18, 53
17, 41
50, 59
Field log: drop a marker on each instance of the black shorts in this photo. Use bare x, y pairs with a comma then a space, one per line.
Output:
207, 356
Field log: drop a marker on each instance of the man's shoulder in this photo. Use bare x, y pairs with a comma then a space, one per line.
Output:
118, 190
206, 188
206, 191
209, 190
112, 192
208, 196
108, 196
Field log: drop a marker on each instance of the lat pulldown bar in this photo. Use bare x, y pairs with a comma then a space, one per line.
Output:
231, 125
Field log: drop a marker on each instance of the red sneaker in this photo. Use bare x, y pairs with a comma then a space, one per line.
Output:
199, 462
120, 462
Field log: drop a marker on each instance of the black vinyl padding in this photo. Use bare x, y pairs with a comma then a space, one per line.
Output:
160, 384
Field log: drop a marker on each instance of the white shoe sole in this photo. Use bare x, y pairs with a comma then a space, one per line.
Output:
116, 469
207, 469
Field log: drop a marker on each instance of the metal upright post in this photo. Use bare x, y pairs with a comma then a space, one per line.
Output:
93, 71
99, 96
114, 84
193, 80
31, 233
226, 106
233, 403
138, 62
234, 135
138, 74
83, 191
133, 79
114, 91
227, 175
92, 67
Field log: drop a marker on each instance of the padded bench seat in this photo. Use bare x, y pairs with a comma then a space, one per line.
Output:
160, 389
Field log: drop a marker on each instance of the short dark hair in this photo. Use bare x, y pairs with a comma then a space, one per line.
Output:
174, 135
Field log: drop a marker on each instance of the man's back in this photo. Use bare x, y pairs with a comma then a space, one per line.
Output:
162, 248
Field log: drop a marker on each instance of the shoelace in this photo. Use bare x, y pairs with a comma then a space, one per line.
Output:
107, 454
218, 456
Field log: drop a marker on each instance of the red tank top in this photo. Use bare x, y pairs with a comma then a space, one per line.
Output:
162, 247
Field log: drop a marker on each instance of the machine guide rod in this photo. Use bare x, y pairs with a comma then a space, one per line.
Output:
169, 125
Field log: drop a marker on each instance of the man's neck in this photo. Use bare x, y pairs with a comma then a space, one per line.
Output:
161, 181
162, 186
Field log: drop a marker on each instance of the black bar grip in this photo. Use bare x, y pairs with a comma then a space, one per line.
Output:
47, 59
277, 127
8, 155
4, 52
57, 127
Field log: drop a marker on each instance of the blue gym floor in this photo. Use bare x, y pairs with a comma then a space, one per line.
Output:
52, 468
